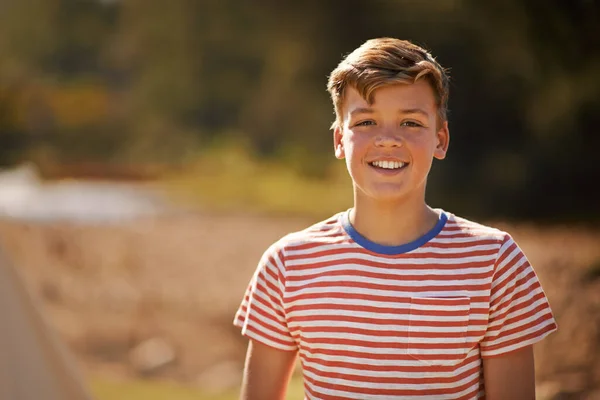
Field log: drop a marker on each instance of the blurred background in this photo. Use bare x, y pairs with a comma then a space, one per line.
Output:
151, 151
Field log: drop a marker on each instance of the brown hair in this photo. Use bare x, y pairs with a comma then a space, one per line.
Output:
384, 61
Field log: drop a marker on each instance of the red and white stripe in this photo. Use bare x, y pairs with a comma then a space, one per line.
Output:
414, 325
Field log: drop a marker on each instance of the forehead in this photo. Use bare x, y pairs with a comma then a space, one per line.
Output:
393, 96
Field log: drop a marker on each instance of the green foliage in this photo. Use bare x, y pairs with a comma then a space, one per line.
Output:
231, 178
176, 76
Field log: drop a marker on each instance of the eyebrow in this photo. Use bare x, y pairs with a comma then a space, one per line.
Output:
414, 111
361, 110
365, 110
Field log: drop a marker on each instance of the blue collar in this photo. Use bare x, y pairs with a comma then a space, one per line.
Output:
392, 250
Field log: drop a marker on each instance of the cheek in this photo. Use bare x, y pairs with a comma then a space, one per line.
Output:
354, 151
422, 143
356, 143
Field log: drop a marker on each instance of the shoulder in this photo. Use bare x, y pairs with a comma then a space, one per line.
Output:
479, 238
458, 228
466, 233
323, 233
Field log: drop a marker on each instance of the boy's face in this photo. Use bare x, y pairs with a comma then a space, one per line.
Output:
389, 145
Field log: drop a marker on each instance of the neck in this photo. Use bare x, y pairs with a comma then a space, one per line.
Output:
394, 223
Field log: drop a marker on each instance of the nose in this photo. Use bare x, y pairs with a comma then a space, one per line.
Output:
388, 139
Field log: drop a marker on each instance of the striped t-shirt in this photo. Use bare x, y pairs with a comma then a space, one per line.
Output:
395, 322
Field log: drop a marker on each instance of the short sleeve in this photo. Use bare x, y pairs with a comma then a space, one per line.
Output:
520, 314
261, 315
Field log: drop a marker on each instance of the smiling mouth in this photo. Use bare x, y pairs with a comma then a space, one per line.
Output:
389, 165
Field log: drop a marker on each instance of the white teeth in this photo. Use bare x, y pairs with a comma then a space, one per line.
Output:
388, 164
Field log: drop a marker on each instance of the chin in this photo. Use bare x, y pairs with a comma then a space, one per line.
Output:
393, 193
388, 192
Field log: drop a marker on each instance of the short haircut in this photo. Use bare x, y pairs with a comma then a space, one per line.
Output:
385, 61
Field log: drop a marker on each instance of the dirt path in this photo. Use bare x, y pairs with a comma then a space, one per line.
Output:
108, 288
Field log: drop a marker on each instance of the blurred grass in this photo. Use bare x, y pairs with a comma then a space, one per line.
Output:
230, 178
107, 389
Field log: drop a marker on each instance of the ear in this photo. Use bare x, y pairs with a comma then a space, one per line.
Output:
338, 145
443, 140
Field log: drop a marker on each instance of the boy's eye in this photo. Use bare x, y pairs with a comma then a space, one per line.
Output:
411, 124
365, 123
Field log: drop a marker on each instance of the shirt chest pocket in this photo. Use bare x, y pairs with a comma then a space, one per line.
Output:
438, 327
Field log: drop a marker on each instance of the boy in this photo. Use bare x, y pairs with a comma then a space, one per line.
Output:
393, 299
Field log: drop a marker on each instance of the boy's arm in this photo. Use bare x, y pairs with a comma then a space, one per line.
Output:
267, 372
510, 376
519, 316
